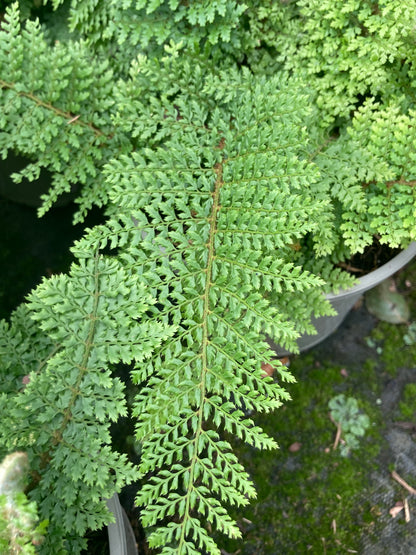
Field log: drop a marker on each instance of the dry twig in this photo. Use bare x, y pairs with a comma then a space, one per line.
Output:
406, 510
337, 436
403, 483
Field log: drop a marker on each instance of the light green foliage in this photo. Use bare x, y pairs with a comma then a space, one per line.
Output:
57, 108
346, 413
20, 530
358, 59
387, 138
349, 49
239, 150
144, 21
139, 26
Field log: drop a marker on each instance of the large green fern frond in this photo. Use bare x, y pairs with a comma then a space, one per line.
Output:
210, 219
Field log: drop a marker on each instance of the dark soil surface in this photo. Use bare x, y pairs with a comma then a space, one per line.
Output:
372, 258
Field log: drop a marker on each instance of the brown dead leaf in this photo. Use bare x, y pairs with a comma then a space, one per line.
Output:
268, 369
295, 447
398, 507
285, 361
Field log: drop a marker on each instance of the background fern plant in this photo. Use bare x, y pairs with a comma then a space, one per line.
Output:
235, 167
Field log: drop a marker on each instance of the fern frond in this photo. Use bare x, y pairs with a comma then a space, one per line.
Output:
56, 110
61, 417
184, 220
149, 23
23, 349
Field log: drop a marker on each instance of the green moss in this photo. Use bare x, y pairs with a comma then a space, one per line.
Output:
407, 406
310, 499
394, 352
388, 339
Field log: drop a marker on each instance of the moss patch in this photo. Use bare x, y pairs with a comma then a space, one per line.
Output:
408, 405
388, 340
310, 499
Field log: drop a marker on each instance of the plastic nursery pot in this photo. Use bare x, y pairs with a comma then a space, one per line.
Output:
345, 299
26, 192
120, 533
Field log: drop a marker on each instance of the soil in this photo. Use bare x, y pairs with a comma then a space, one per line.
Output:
310, 498
373, 257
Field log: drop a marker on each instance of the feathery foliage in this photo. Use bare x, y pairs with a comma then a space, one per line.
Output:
64, 126
73, 329
209, 219
240, 150
151, 23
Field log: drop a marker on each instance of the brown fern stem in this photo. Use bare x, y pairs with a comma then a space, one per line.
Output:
71, 119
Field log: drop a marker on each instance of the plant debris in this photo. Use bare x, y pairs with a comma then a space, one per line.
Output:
403, 483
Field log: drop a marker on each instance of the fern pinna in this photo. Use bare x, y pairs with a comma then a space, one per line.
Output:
207, 219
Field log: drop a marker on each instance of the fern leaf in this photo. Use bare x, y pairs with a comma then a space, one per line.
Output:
62, 416
185, 222
57, 110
